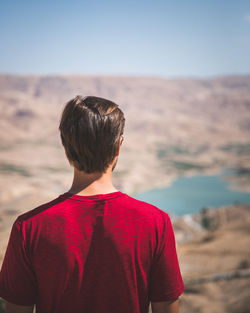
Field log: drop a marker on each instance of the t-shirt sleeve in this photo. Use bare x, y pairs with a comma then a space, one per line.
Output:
166, 280
17, 279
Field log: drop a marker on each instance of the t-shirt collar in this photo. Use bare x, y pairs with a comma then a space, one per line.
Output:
97, 197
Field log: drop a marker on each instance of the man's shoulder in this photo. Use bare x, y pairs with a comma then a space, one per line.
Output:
38, 210
145, 207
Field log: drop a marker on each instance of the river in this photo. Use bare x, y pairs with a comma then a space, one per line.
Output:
188, 195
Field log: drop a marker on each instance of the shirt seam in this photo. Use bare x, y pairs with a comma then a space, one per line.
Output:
92, 200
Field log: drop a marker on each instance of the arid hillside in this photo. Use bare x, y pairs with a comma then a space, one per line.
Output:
215, 262
173, 127
178, 126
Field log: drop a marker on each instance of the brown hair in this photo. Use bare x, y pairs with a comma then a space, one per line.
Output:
90, 129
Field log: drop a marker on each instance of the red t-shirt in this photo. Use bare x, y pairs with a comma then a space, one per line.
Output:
105, 253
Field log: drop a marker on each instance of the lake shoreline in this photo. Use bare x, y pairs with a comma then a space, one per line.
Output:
191, 193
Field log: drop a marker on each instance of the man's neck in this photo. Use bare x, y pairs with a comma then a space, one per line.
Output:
91, 184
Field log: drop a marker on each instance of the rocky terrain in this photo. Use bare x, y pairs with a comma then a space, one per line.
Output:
185, 127
214, 258
216, 263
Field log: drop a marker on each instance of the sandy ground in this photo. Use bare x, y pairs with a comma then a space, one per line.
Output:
218, 253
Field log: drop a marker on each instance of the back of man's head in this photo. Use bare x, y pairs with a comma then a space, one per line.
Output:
90, 129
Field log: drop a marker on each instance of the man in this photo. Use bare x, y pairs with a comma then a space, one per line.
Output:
93, 249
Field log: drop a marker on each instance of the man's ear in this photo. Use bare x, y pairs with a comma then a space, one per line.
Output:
120, 142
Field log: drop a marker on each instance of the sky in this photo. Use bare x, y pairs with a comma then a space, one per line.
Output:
185, 38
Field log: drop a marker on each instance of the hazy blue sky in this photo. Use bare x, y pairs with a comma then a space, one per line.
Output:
159, 38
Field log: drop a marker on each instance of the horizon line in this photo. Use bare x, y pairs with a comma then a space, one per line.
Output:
156, 76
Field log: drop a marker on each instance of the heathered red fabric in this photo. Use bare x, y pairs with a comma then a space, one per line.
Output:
105, 253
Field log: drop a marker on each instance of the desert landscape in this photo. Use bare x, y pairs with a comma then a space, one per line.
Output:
186, 127
215, 260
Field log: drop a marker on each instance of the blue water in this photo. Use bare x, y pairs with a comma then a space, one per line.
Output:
190, 194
